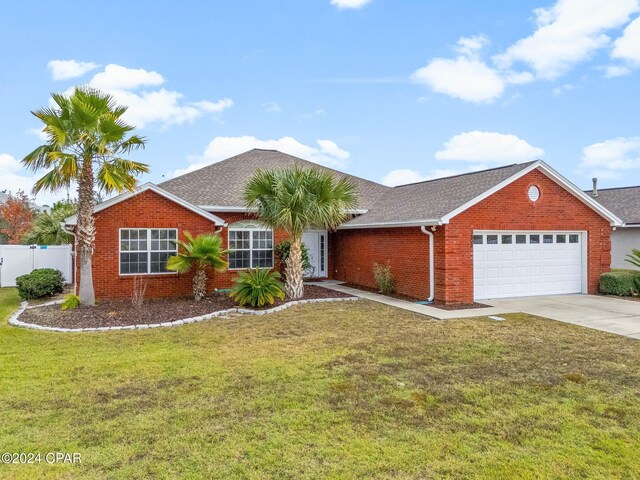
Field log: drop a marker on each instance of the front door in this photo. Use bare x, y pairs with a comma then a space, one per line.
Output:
316, 243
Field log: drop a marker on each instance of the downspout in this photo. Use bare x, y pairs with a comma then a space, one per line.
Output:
432, 287
75, 256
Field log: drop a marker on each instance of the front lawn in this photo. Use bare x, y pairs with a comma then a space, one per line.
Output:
342, 390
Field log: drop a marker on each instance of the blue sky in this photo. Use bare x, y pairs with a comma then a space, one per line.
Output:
391, 91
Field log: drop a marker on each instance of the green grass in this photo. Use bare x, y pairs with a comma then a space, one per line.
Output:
343, 390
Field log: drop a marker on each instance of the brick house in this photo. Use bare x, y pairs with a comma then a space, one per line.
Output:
517, 230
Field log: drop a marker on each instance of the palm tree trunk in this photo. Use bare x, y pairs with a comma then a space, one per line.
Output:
294, 286
199, 284
86, 232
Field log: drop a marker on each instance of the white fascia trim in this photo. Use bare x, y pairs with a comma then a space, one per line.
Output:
553, 175
154, 188
629, 225
410, 223
233, 209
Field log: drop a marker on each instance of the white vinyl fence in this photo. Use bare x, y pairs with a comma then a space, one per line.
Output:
16, 260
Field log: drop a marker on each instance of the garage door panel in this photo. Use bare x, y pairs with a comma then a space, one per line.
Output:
546, 263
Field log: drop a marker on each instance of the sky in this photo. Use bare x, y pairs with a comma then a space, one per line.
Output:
392, 91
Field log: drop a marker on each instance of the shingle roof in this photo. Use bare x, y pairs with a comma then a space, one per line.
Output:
624, 202
433, 199
222, 183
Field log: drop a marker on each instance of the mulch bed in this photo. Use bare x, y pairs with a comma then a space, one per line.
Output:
443, 306
115, 313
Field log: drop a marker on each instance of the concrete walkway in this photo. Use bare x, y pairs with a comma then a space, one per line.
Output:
434, 312
609, 314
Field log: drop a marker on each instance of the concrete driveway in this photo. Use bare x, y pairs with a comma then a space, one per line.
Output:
601, 313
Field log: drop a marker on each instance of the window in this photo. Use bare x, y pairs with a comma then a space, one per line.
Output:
561, 239
534, 239
321, 253
507, 239
250, 245
547, 238
520, 239
146, 250
533, 193
477, 239
573, 238
492, 239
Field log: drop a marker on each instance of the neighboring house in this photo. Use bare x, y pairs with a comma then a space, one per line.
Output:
625, 203
37, 208
511, 231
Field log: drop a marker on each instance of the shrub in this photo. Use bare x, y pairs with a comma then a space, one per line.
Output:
257, 287
71, 301
620, 282
41, 282
139, 290
282, 253
384, 278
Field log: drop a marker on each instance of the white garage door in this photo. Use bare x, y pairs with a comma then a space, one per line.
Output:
517, 264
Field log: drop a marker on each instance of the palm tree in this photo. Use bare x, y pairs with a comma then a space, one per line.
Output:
46, 228
297, 199
86, 142
634, 257
201, 252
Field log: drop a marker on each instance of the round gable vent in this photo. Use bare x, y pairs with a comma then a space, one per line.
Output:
534, 193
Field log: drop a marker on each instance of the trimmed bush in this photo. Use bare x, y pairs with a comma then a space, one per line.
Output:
621, 282
384, 278
71, 301
257, 287
42, 282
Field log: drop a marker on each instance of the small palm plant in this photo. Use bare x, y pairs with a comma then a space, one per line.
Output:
634, 259
200, 253
257, 287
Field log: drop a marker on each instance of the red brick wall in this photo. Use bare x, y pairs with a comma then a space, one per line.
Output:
406, 249
511, 209
355, 251
150, 210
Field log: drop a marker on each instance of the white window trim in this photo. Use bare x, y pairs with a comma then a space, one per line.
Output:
251, 227
148, 251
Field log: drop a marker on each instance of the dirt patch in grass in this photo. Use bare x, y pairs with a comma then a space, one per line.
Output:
113, 313
458, 306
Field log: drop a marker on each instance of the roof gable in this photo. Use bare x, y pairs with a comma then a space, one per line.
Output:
154, 188
438, 201
220, 186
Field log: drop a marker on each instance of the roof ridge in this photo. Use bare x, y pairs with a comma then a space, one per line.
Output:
465, 174
612, 188
282, 153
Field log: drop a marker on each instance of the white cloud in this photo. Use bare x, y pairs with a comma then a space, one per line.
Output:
14, 177
627, 47
271, 107
325, 153
38, 132
349, 3
468, 79
134, 88
489, 147
402, 177
612, 71
117, 77
66, 69
568, 32
610, 158
405, 175
567, 87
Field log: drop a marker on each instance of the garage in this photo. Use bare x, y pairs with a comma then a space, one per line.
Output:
518, 264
